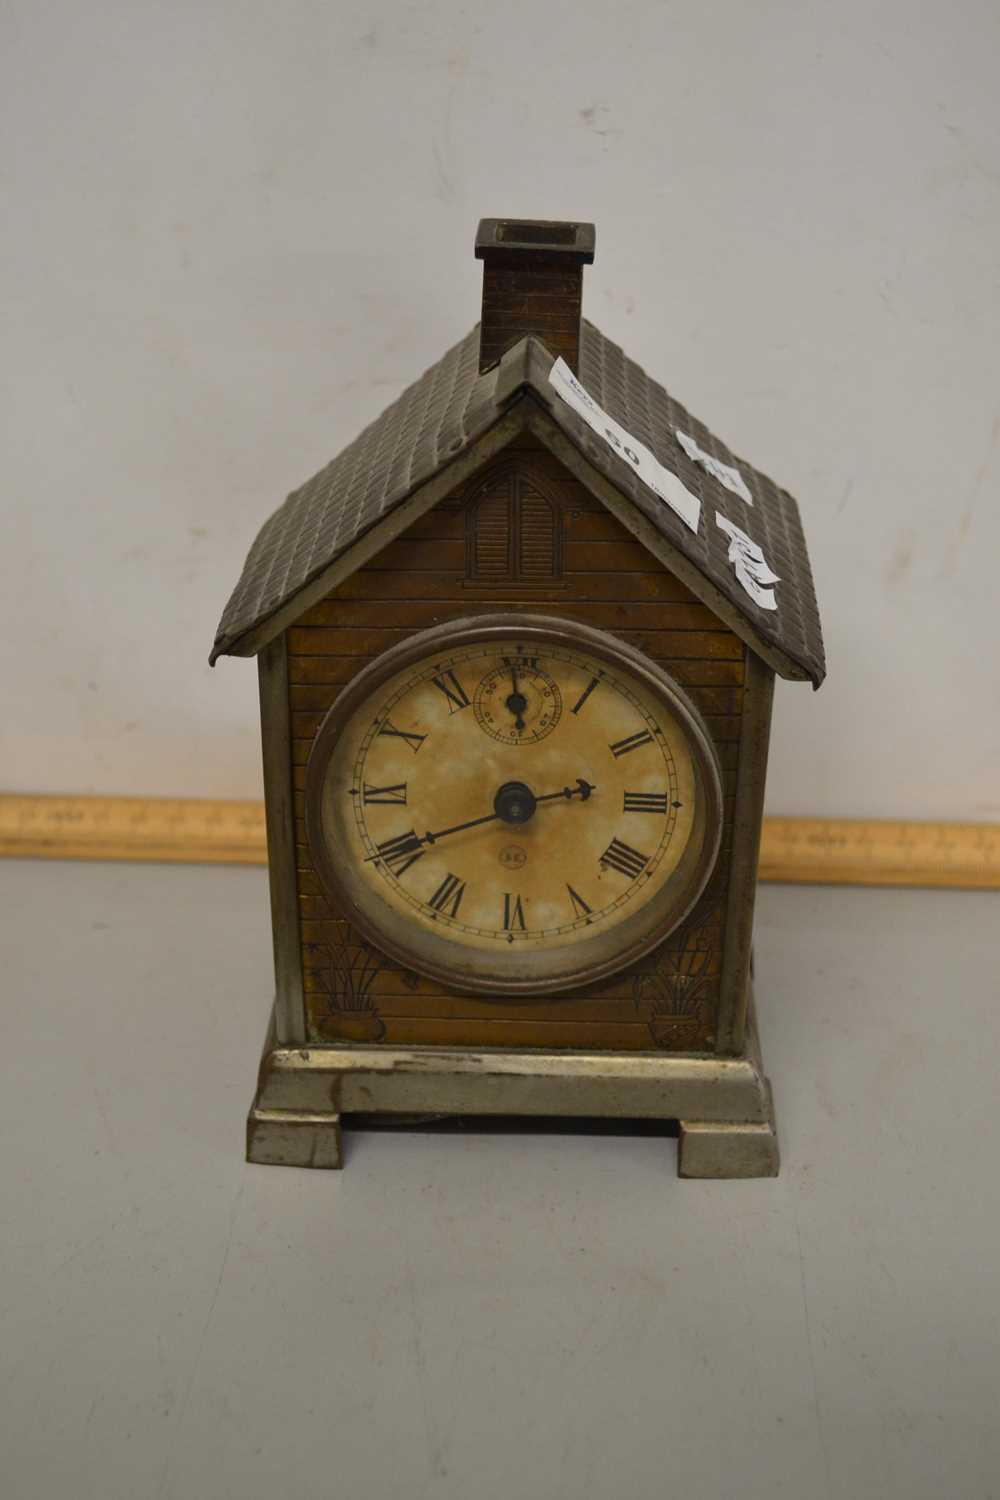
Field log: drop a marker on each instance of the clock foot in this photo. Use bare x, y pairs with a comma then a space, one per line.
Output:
290, 1138
746, 1146
711, 1148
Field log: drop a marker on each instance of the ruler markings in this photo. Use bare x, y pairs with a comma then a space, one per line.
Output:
825, 851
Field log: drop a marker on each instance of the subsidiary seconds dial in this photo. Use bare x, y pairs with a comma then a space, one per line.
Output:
517, 701
513, 805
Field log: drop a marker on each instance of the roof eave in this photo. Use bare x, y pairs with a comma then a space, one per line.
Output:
482, 448
544, 426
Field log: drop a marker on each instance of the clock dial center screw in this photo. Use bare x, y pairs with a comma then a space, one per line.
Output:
514, 802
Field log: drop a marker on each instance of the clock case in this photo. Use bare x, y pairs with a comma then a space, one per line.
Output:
480, 491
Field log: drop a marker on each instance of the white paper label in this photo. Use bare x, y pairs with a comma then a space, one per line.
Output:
724, 473
749, 564
649, 469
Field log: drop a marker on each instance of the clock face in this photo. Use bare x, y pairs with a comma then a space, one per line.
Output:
513, 805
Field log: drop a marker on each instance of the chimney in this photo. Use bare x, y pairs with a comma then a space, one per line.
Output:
532, 284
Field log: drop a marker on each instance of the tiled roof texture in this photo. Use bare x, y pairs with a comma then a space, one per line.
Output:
444, 412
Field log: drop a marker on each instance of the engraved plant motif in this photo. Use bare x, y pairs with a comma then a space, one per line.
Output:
677, 988
352, 968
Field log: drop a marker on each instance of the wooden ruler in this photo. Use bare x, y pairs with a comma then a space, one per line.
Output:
848, 851
185, 830
826, 851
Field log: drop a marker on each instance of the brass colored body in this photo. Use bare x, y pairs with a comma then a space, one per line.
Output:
342, 1003
607, 581
478, 506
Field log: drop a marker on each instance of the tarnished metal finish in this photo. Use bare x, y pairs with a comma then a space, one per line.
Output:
711, 1150
446, 415
352, 567
275, 732
723, 1104
283, 1138
452, 1080
748, 820
708, 1147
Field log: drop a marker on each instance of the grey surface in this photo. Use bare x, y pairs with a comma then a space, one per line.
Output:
490, 1316
450, 409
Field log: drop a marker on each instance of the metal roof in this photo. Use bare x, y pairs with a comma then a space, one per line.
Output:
444, 414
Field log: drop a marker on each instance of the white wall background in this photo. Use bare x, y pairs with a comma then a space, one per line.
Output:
234, 231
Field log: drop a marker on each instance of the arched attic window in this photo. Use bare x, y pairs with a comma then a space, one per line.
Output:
513, 533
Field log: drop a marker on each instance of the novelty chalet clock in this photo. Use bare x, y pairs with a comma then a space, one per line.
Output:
517, 646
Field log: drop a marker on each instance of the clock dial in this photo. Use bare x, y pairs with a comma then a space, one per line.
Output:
514, 805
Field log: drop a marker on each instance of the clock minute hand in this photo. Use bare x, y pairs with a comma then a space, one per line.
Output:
442, 833
409, 844
582, 790
515, 803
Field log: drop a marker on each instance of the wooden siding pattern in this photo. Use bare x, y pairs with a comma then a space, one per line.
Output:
668, 1000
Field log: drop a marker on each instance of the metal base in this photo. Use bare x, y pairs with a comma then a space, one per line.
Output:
722, 1104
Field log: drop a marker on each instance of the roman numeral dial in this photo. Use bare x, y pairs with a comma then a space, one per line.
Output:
513, 913
626, 860
580, 702
580, 907
412, 740
448, 896
631, 742
399, 853
454, 693
646, 802
505, 809
384, 796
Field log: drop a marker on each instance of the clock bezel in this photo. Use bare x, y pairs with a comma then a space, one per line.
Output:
607, 953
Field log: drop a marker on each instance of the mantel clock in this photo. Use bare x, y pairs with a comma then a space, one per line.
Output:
517, 646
